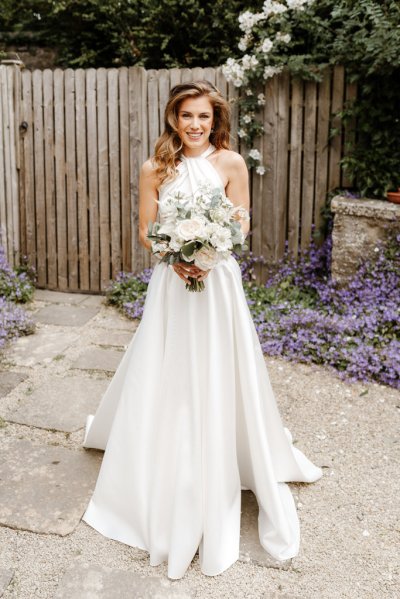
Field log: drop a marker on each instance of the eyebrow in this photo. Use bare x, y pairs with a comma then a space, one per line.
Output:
188, 112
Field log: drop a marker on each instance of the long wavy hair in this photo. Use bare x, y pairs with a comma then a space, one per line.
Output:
169, 145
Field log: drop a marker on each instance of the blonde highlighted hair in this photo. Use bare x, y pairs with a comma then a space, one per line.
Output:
169, 145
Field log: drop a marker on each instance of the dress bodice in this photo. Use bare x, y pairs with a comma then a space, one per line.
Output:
192, 172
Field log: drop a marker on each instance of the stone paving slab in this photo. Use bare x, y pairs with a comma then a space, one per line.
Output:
74, 316
97, 358
114, 321
93, 300
40, 348
9, 380
5, 579
45, 489
61, 403
59, 297
84, 581
250, 546
116, 338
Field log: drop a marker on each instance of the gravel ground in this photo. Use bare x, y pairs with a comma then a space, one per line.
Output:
349, 519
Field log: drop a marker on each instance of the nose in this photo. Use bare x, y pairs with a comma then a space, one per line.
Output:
195, 123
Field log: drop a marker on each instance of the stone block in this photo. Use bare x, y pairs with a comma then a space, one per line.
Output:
9, 380
84, 581
45, 488
97, 358
58, 314
61, 403
358, 225
40, 348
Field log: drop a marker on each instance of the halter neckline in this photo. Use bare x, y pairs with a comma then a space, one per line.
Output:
204, 154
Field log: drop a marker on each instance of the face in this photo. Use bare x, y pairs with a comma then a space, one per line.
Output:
195, 121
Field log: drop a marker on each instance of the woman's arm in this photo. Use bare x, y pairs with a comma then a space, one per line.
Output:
148, 207
237, 189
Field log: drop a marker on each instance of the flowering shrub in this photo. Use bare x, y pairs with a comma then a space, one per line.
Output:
301, 314
305, 37
15, 286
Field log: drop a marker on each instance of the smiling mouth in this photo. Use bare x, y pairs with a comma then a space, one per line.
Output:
194, 135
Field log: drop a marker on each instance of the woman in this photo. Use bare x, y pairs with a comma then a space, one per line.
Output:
189, 418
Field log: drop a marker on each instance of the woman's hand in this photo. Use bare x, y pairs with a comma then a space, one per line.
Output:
185, 270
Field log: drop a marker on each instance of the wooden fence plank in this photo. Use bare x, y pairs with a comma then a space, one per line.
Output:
163, 95
81, 179
13, 75
7, 165
295, 156
335, 150
321, 169
60, 177
137, 149
39, 178
70, 155
49, 183
114, 153
104, 174
124, 169
175, 77
310, 115
92, 148
29, 169
282, 164
349, 137
270, 153
3, 152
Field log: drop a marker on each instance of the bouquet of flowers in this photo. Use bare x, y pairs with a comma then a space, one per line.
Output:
200, 229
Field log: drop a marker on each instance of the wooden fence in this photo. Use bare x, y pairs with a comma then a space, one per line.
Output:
72, 143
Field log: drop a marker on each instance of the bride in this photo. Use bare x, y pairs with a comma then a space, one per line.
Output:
189, 418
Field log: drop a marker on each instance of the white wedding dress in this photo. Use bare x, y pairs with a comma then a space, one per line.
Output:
189, 419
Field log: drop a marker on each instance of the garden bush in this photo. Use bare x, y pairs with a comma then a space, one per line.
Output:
16, 286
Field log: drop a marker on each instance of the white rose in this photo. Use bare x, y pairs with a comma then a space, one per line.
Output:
206, 258
221, 239
218, 215
190, 228
176, 243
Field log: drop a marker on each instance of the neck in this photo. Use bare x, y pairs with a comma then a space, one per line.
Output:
193, 152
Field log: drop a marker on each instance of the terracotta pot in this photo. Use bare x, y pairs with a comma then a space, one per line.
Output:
394, 196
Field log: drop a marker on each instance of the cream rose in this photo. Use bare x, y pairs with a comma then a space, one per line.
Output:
190, 228
206, 258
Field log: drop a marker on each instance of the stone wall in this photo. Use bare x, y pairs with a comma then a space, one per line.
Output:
358, 225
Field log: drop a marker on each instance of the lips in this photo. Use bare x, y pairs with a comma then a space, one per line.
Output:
194, 136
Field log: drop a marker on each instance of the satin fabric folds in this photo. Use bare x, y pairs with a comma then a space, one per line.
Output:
189, 419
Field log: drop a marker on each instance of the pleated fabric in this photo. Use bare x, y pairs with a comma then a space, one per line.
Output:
189, 420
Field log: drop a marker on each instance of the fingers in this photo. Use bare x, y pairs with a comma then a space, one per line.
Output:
184, 271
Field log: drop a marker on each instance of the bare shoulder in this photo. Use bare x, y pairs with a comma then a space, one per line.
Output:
232, 160
148, 168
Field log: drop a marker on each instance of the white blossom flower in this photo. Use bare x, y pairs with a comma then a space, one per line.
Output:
283, 37
234, 72
248, 19
241, 133
249, 92
267, 45
249, 62
254, 154
206, 258
270, 71
271, 7
247, 118
298, 4
260, 170
261, 99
